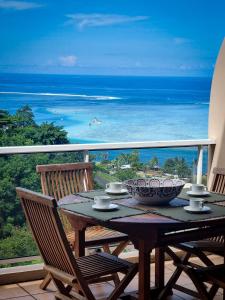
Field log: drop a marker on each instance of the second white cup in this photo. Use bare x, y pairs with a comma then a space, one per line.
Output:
198, 188
114, 186
196, 203
102, 201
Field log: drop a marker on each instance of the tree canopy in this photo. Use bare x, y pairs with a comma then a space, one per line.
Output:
177, 166
20, 170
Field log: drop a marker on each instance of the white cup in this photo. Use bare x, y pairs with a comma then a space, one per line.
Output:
196, 204
198, 188
114, 186
102, 201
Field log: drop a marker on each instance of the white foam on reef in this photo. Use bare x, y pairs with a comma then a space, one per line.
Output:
202, 103
66, 111
65, 95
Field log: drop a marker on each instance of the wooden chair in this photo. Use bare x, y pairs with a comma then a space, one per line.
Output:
214, 276
65, 270
201, 248
60, 180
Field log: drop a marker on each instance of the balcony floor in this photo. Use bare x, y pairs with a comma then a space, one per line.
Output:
30, 290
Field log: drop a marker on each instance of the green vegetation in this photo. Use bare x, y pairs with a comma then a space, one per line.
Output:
131, 159
20, 243
20, 170
153, 163
177, 166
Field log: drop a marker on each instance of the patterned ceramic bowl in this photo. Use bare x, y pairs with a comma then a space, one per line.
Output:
154, 191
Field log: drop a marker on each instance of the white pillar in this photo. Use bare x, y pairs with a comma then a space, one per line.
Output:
199, 164
86, 155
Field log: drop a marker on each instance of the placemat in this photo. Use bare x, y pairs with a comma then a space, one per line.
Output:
92, 194
72, 199
211, 198
87, 210
178, 213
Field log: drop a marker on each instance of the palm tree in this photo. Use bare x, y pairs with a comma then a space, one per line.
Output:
5, 119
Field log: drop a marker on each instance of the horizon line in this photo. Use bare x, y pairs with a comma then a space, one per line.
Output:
107, 75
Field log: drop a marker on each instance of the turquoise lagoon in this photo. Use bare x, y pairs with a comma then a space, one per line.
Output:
115, 108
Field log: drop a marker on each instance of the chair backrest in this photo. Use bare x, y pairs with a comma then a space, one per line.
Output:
43, 219
218, 184
60, 180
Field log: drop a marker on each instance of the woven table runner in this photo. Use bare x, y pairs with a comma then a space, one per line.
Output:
87, 210
211, 198
131, 202
92, 194
178, 213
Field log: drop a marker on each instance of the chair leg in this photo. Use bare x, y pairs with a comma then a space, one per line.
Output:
106, 248
116, 279
204, 258
120, 248
116, 252
223, 294
173, 279
123, 284
200, 286
213, 290
45, 281
63, 292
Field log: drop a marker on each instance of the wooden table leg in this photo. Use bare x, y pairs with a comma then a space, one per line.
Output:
224, 262
79, 228
159, 267
144, 271
79, 246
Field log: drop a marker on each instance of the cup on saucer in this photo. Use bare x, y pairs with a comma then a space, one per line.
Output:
196, 204
102, 201
198, 188
114, 187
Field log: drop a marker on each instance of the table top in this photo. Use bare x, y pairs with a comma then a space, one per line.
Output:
148, 218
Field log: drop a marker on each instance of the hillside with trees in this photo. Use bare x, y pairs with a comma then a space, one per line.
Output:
20, 170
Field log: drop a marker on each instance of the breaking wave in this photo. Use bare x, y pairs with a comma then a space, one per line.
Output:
65, 95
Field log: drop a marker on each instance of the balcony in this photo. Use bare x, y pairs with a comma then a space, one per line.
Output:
201, 157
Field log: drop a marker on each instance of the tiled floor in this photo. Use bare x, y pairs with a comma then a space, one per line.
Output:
30, 290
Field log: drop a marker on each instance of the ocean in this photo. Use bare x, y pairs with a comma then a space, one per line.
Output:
104, 109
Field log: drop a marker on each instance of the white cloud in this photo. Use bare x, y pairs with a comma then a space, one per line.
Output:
18, 5
68, 61
181, 41
96, 20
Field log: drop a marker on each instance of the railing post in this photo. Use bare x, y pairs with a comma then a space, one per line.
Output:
199, 164
86, 155
211, 150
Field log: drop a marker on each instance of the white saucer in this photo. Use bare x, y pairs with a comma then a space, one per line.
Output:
113, 192
111, 206
203, 193
203, 210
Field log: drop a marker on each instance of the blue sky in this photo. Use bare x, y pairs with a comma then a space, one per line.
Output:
115, 37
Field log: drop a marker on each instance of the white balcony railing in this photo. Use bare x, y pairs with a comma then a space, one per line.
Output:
85, 148
106, 146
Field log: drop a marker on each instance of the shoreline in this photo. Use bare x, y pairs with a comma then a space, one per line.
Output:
188, 153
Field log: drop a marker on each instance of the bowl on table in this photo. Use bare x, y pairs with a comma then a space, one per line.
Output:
154, 191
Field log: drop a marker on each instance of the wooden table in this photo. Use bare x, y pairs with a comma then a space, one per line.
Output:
147, 232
